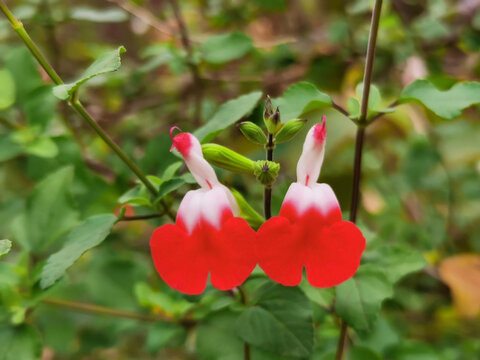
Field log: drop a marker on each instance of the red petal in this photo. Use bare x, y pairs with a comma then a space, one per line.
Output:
330, 251
184, 261
310, 216
280, 251
234, 254
334, 254
178, 259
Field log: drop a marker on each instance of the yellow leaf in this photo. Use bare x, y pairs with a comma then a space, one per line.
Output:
462, 275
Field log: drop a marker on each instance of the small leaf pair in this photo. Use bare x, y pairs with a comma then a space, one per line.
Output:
209, 239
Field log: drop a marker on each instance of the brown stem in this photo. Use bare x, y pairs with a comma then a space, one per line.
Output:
370, 59
267, 193
246, 346
140, 217
359, 141
340, 109
187, 45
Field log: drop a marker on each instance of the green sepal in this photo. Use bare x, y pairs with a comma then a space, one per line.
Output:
266, 171
289, 130
254, 219
227, 159
253, 132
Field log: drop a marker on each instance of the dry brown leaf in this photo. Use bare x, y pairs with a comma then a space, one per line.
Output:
462, 275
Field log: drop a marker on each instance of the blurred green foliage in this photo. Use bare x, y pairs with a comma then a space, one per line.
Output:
76, 278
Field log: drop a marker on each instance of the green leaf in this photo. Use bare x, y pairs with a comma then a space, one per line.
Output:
165, 335
359, 299
169, 186
82, 238
223, 48
374, 102
216, 338
23, 68
323, 297
40, 106
7, 90
271, 5
139, 195
106, 63
21, 342
227, 114
447, 104
171, 170
413, 350
374, 98
49, 212
280, 322
299, 99
161, 300
398, 261
358, 352
9, 148
43, 147
108, 15
5, 246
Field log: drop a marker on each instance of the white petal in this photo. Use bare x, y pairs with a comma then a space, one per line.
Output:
311, 160
202, 171
319, 196
325, 199
208, 205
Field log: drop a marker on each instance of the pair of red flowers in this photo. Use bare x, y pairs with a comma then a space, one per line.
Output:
208, 238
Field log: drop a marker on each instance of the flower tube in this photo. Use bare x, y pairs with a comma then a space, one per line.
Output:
309, 232
207, 237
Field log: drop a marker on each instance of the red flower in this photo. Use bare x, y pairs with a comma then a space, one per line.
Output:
310, 232
207, 238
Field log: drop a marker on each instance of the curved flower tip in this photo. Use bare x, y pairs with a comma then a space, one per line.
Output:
183, 142
206, 238
320, 131
310, 233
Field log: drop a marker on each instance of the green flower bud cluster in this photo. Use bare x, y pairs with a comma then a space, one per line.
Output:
281, 132
266, 171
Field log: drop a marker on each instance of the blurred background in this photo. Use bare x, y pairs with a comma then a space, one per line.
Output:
184, 59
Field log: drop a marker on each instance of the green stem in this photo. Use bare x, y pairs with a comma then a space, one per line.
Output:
359, 141
20, 30
102, 310
77, 105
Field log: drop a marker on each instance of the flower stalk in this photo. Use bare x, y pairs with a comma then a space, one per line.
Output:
359, 141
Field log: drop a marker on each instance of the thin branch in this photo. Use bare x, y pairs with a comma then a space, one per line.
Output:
140, 217
144, 15
9, 124
187, 45
77, 105
379, 115
372, 44
246, 346
102, 310
340, 109
360, 137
